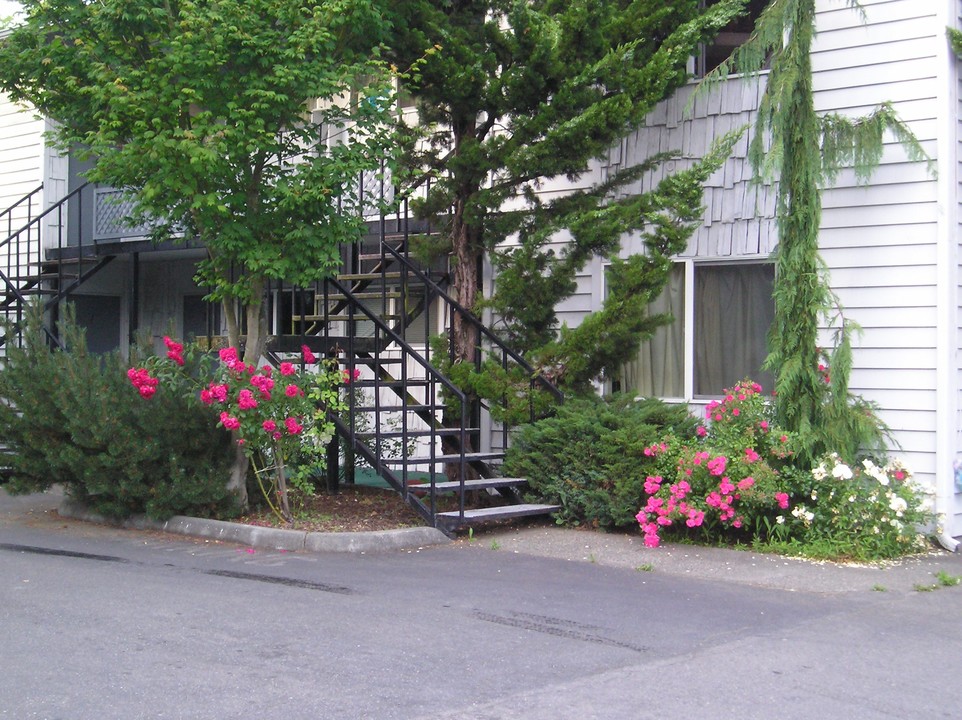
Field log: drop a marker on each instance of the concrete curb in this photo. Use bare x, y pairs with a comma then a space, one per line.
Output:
271, 538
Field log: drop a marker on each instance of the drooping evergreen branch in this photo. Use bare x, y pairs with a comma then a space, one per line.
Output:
805, 151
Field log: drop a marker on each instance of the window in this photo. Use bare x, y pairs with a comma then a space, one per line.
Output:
99, 315
201, 318
733, 311
730, 37
722, 315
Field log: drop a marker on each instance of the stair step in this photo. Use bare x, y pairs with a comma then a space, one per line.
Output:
388, 384
378, 361
441, 458
360, 277
478, 484
393, 294
30, 291
398, 408
357, 317
453, 520
393, 434
44, 276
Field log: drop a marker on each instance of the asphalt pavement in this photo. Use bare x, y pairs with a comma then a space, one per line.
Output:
100, 622
537, 538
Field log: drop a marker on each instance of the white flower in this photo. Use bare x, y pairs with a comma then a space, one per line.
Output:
819, 473
814, 495
873, 470
803, 514
780, 519
851, 498
842, 472
899, 505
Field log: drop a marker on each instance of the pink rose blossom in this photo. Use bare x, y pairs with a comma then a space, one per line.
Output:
293, 427
288, 368
269, 426
308, 356
293, 391
701, 431
717, 465
782, 500
245, 400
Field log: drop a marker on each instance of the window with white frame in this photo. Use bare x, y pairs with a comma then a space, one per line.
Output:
722, 311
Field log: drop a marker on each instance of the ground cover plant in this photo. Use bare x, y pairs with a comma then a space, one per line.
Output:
592, 456
733, 479
70, 418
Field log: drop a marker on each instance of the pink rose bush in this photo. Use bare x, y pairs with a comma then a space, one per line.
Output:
278, 417
728, 482
739, 481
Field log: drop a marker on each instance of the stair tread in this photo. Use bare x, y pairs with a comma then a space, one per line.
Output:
357, 317
353, 277
371, 435
398, 408
393, 294
469, 457
477, 484
500, 512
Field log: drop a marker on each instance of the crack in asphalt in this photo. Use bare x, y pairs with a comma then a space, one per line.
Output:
555, 626
62, 553
289, 582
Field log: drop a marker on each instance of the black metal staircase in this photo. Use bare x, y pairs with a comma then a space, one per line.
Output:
44, 253
440, 448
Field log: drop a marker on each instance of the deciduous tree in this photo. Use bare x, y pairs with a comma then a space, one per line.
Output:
202, 113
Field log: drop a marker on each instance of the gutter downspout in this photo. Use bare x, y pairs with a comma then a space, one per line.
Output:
947, 271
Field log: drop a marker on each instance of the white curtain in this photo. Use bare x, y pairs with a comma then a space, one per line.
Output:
659, 368
733, 312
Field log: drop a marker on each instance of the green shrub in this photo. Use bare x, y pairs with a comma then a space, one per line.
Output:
74, 418
593, 455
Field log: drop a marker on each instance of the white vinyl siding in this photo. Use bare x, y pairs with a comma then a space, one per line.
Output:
21, 152
879, 241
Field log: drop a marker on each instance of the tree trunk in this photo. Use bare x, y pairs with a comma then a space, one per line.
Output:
467, 257
465, 340
254, 348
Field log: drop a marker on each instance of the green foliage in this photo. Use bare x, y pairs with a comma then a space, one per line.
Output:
608, 338
521, 94
201, 113
593, 455
955, 40
510, 393
73, 418
804, 151
863, 511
